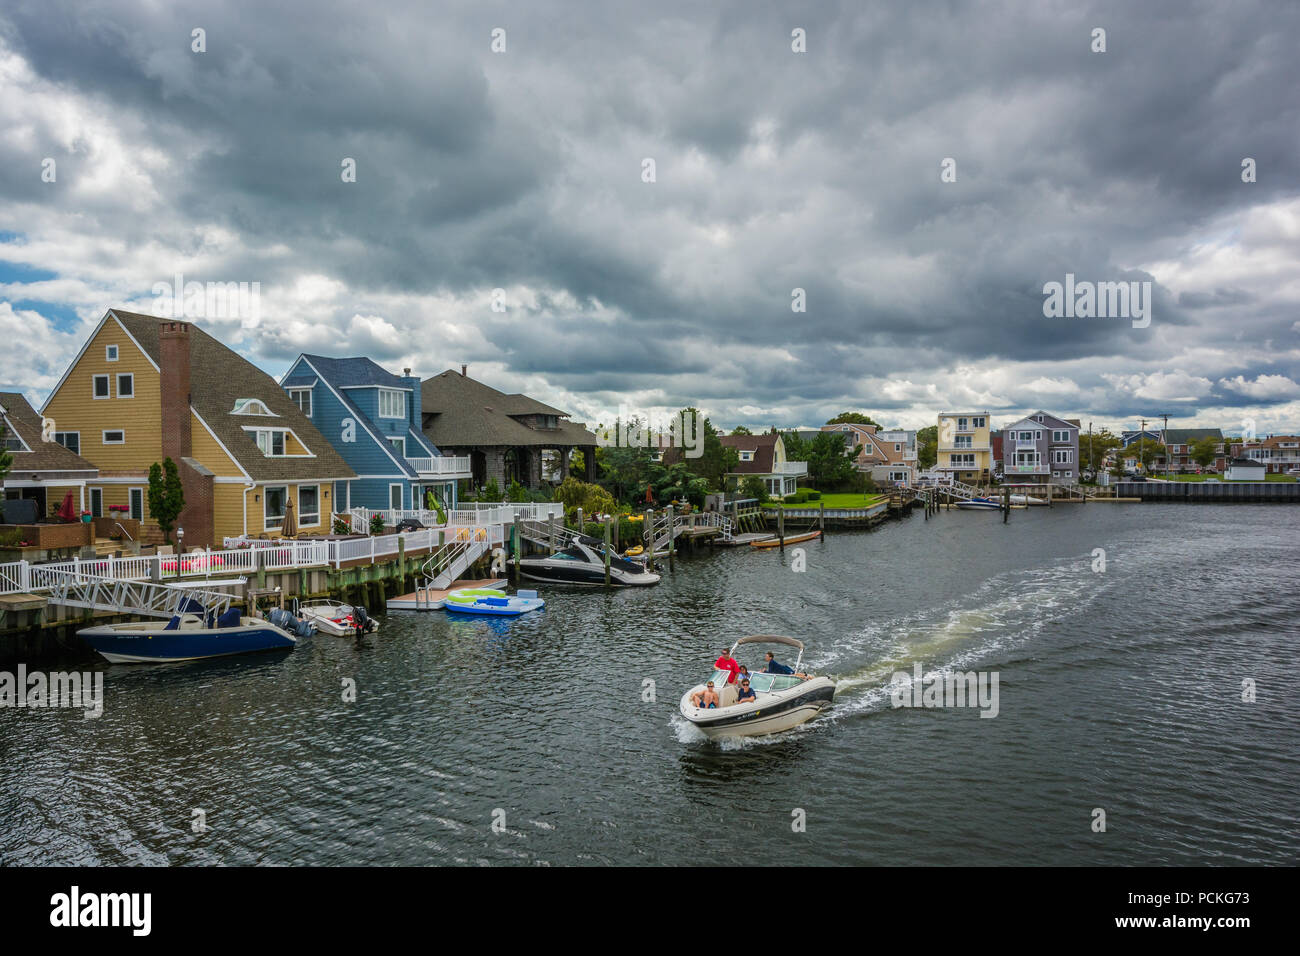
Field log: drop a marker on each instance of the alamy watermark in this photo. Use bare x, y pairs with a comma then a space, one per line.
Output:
84, 689
971, 689
682, 431
1100, 300
179, 299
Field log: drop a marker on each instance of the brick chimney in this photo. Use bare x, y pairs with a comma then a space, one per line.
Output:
463, 370
174, 372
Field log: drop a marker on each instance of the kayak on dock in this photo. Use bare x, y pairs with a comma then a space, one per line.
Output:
790, 539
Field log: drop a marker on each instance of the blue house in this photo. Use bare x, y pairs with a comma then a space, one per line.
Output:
372, 418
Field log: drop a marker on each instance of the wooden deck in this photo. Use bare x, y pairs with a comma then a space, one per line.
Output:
433, 598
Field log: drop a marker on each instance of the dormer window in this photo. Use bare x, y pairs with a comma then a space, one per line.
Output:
250, 406
302, 398
746, 456
270, 441
392, 403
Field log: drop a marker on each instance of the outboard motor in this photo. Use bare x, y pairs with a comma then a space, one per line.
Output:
361, 618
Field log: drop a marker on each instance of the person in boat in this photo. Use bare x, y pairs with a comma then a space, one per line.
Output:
743, 674
745, 692
726, 662
772, 667
706, 698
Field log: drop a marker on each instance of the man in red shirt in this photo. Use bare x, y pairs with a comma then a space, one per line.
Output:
726, 662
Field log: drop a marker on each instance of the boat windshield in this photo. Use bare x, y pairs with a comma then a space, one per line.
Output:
770, 683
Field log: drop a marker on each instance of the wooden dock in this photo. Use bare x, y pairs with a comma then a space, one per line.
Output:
745, 538
432, 599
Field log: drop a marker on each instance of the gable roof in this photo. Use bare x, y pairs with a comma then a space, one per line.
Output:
42, 456
1185, 436
1056, 422
763, 447
358, 372
460, 412
219, 377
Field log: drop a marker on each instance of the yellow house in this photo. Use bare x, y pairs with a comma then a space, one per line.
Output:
143, 389
965, 451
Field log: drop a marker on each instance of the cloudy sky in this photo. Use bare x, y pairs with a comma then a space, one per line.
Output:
523, 170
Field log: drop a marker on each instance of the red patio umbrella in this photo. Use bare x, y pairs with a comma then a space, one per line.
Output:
67, 510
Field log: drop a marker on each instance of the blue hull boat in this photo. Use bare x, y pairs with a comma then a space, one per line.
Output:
186, 639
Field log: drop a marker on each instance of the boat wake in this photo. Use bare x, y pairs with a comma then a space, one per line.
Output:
1006, 612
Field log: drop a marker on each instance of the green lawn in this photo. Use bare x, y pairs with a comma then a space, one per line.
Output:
1268, 477
836, 501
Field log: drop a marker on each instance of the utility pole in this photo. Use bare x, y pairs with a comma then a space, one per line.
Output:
1164, 440
1142, 432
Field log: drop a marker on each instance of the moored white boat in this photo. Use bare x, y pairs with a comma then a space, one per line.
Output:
340, 620
583, 562
781, 701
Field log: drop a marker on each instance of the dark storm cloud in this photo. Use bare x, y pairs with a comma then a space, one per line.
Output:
775, 171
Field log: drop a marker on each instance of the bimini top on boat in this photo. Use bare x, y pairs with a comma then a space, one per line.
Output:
583, 562
781, 701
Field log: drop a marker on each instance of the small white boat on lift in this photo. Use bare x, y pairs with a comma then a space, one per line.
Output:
781, 701
341, 620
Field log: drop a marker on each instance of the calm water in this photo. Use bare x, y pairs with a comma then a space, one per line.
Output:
1119, 690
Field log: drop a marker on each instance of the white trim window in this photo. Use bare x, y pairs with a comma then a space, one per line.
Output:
270, 441
113, 436
128, 379
274, 499
1063, 456
746, 456
308, 505
395, 497
12, 440
251, 406
1060, 435
97, 502
110, 353
977, 423
302, 398
392, 403
100, 387
399, 445
135, 500
69, 440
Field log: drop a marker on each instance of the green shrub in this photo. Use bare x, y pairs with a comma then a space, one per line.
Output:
376, 524
813, 494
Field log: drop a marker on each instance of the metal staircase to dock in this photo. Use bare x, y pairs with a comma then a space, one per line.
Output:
454, 558
116, 596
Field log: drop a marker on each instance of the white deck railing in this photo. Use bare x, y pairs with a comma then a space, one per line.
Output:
448, 465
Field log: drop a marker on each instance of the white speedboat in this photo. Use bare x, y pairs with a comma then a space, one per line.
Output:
186, 637
781, 701
341, 620
979, 504
583, 562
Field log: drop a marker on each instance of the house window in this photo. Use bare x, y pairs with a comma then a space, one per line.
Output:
250, 406
1024, 436
897, 447
110, 353
746, 456
977, 423
97, 502
302, 398
69, 440
114, 437
308, 504
963, 441
961, 424
269, 441
399, 444
101, 386
126, 385
1063, 456
135, 497
395, 497
1060, 435
273, 502
13, 442
392, 403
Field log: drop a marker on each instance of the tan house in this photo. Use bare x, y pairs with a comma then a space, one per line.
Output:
764, 456
43, 471
888, 456
143, 389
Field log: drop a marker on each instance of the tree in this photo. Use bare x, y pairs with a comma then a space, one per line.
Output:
853, 418
1205, 450
741, 430
754, 487
166, 496
1094, 448
1145, 450
927, 446
516, 492
830, 461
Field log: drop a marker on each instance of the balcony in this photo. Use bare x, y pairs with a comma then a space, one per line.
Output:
1034, 468
445, 466
795, 468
